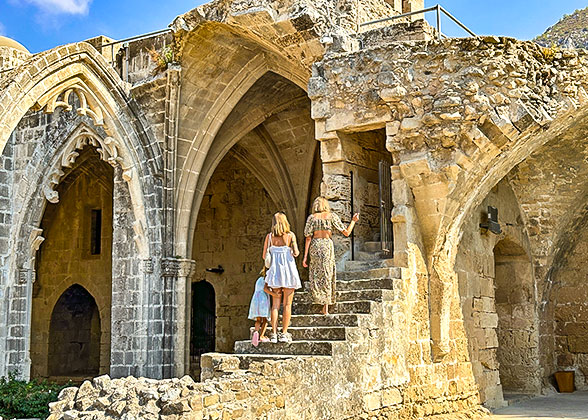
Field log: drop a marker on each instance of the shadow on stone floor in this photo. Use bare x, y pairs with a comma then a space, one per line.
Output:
556, 406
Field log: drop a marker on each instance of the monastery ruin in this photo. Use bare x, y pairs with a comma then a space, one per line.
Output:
135, 197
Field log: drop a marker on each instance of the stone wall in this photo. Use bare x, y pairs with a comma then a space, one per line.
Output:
383, 369
491, 276
233, 220
11, 57
569, 300
65, 257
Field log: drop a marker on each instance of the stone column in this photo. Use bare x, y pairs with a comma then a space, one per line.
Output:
20, 300
130, 290
177, 278
19, 324
336, 187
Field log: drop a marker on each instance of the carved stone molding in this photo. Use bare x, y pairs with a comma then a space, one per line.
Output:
147, 265
139, 237
59, 98
83, 136
176, 267
35, 241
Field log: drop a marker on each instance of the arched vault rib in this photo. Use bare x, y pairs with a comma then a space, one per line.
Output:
241, 121
244, 61
279, 167
257, 169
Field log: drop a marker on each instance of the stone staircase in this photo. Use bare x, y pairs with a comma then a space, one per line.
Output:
359, 287
371, 251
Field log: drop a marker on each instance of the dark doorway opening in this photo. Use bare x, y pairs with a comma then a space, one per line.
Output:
74, 334
203, 322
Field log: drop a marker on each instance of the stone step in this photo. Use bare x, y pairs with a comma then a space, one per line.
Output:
364, 284
357, 307
357, 284
368, 265
365, 256
245, 360
371, 273
326, 333
319, 320
307, 347
345, 296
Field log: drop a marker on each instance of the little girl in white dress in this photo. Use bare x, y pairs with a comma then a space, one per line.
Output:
259, 309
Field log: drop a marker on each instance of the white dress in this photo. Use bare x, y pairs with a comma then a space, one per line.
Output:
260, 302
282, 271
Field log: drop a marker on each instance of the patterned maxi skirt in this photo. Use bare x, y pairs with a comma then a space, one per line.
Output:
322, 274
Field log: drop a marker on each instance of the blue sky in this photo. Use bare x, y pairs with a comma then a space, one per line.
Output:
43, 24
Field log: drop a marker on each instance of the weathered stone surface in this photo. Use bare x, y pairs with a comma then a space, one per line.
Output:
189, 160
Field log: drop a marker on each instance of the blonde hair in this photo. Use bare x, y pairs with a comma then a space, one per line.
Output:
280, 225
262, 272
321, 205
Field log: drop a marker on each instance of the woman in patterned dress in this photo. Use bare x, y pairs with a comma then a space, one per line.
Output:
318, 230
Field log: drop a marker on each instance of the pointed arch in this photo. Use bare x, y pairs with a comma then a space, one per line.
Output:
196, 141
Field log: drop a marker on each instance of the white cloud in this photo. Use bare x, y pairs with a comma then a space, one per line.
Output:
72, 7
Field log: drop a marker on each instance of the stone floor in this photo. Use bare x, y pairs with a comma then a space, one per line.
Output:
556, 406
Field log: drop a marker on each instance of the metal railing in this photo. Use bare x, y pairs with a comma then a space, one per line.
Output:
438, 9
124, 44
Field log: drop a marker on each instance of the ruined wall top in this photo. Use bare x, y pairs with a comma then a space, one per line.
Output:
426, 90
11, 53
341, 16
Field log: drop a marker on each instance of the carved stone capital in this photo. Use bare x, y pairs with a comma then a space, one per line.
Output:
178, 267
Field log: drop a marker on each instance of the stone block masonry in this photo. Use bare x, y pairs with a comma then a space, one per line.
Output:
203, 153
379, 371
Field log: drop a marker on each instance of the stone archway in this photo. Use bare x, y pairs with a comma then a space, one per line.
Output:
233, 219
77, 252
517, 331
76, 80
74, 335
262, 160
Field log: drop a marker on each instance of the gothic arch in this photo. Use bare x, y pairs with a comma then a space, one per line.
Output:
200, 139
46, 82
49, 79
74, 334
478, 179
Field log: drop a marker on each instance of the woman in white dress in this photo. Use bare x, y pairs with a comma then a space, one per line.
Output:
282, 275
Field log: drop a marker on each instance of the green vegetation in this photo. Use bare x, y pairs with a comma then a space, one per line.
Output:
571, 30
22, 399
161, 58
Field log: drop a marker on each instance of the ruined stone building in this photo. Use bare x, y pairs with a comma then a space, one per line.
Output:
136, 189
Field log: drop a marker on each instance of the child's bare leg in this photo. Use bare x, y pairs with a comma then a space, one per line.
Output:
263, 326
257, 323
275, 308
287, 313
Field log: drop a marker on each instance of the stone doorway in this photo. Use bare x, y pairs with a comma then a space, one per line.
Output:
518, 338
366, 156
74, 335
203, 323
